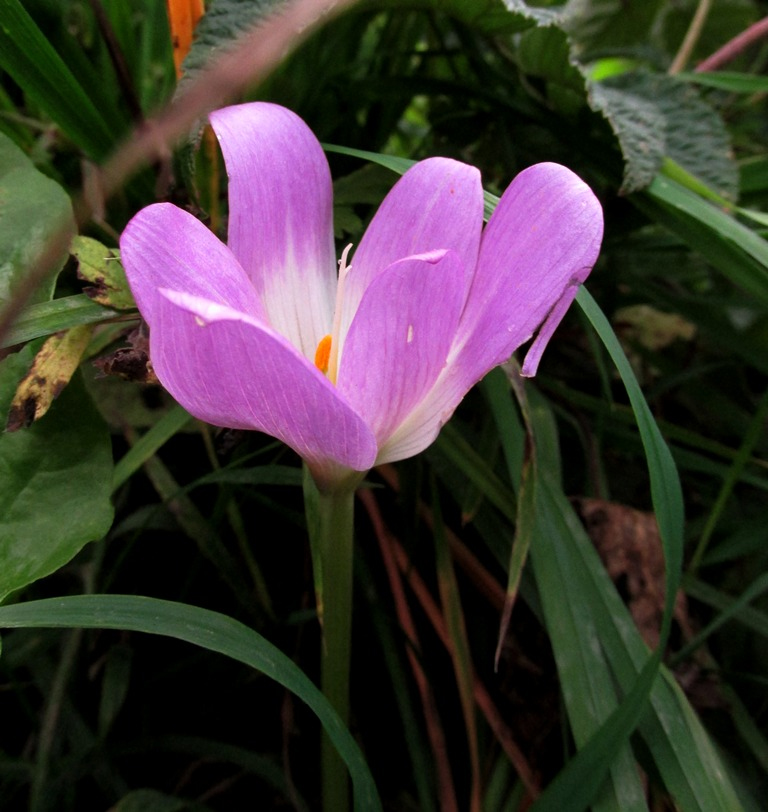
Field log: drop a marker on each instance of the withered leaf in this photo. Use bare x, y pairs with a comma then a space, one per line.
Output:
51, 371
628, 542
130, 363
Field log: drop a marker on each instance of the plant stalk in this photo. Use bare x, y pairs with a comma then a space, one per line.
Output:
330, 516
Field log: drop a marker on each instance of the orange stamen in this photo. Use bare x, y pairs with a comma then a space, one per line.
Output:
323, 354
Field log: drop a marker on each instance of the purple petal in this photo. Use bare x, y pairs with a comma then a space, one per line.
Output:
539, 245
400, 337
231, 370
281, 216
164, 246
421, 427
437, 204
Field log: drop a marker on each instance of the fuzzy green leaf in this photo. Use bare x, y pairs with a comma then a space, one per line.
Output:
222, 24
656, 117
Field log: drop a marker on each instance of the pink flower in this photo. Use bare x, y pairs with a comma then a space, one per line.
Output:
363, 366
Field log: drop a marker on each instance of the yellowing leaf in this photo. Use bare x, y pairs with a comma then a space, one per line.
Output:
51, 371
101, 267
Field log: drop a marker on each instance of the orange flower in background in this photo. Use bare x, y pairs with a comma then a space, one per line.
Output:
183, 16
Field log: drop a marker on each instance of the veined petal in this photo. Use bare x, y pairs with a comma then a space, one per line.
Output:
539, 245
164, 246
231, 370
281, 216
399, 340
437, 204
421, 427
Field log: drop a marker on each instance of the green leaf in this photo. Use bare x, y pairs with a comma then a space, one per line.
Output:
666, 491
31, 61
656, 117
639, 127
32, 209
739, 253
609, 26
545, 51
587, 682
222, 24
730, 81
209, 630
591, 626
55, 480
50, 317
580, 601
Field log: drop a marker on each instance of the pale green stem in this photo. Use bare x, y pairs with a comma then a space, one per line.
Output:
691, 37
330, 522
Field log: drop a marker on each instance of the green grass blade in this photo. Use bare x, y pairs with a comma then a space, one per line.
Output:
752, 592
28, 57
573, 583
681, 749
169, 424
47, 318
736, 251
666, 492
209, 630
737, 608
730, 81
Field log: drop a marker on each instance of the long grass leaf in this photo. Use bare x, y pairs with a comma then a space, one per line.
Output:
209, 630
28, 57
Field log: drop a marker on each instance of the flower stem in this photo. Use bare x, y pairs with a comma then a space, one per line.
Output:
330, 523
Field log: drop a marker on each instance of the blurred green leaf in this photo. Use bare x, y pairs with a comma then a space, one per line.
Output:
32, 209
606, 27
28, 57
54, 482
730, 81
545, 51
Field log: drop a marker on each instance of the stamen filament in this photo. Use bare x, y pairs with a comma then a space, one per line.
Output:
333, 361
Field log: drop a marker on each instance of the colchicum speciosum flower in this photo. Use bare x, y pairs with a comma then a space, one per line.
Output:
360, 363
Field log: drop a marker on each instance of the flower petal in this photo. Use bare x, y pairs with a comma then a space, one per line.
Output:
281, 216
164, 246
539, 245
421, 427
400, 337
437, 204
231, 370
